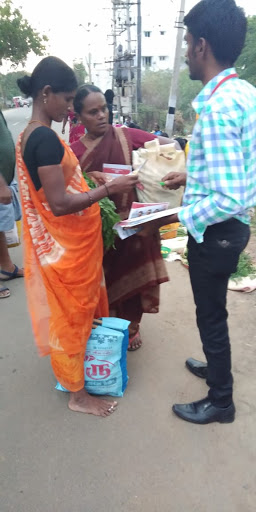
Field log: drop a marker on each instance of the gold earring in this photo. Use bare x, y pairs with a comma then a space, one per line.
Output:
45, 99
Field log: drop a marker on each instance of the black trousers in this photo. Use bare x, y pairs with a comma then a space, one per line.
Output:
210, 265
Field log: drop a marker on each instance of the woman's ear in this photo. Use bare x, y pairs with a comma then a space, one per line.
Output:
46, 91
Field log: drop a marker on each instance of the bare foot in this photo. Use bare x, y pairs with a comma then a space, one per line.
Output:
81, 401
135, 341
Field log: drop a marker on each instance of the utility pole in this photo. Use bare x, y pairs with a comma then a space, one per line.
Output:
90, 63
114, 39
139, 99
176, 71
114, 34
89, 59
123, 61
129, 49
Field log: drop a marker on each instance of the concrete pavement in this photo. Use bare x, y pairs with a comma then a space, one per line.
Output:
142, 458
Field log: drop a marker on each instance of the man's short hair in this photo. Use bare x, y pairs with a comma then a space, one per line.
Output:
223, 24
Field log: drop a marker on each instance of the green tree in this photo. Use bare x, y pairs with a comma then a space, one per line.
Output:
155, 94
155, 87
246, 63
17, 37
80, 72
188, 90
9, 86
179, 124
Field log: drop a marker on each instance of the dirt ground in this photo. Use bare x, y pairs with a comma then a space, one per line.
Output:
143, 458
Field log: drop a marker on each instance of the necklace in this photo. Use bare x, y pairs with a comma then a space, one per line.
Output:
39, 122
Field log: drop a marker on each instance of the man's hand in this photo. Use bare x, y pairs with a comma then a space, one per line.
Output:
5, 192
149, 228
175, 180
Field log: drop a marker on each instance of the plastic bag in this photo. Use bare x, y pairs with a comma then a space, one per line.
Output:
13, 236
105, 365
158, 161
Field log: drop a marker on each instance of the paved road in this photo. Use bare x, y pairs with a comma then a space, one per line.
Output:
142, 458
17, 118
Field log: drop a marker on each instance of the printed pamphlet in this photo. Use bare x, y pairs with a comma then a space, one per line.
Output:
113, 171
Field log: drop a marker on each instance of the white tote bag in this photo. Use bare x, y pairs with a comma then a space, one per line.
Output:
158, 161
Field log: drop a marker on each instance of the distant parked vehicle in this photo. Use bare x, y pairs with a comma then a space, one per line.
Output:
26, 101
21, 102
18, 101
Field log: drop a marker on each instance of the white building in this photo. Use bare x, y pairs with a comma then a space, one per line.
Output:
156, 45
157, 39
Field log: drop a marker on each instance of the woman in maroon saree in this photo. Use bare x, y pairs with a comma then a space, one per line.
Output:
135, 269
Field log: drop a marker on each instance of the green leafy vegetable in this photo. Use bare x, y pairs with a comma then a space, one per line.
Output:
245, 267
181, 231
109, 217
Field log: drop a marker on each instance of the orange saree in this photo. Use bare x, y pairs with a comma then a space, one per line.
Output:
63, 272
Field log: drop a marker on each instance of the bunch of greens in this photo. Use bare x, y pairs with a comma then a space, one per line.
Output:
245, 267
109, 217
181, 231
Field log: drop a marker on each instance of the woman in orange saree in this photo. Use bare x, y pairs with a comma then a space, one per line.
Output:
62, 235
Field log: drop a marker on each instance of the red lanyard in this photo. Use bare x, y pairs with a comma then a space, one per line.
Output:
234, 75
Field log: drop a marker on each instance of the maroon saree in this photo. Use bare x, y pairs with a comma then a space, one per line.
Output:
135, 269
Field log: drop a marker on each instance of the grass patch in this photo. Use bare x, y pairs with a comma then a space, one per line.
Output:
245, 267
253, 223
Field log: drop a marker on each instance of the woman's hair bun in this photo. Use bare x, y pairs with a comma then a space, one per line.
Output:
25, 85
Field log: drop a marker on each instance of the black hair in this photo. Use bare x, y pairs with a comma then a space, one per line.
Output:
182, 142
109, 95
82, 93
164, 134
50, 71
134, 125
223, 24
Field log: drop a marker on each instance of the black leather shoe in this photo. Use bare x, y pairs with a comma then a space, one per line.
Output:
197, 367
203, 412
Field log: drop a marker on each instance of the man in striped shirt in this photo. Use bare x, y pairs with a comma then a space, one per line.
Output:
220, 189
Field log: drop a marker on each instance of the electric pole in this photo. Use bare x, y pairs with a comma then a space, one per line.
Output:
176, 71
139, 52
114, 32
123, 60
89, 58
129, 49
114, 39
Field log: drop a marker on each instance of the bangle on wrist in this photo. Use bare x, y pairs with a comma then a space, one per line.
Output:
90, 198
107, 189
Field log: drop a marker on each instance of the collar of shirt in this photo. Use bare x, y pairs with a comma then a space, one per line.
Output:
204, 95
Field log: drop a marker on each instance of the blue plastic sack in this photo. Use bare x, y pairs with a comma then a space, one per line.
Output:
105, 365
